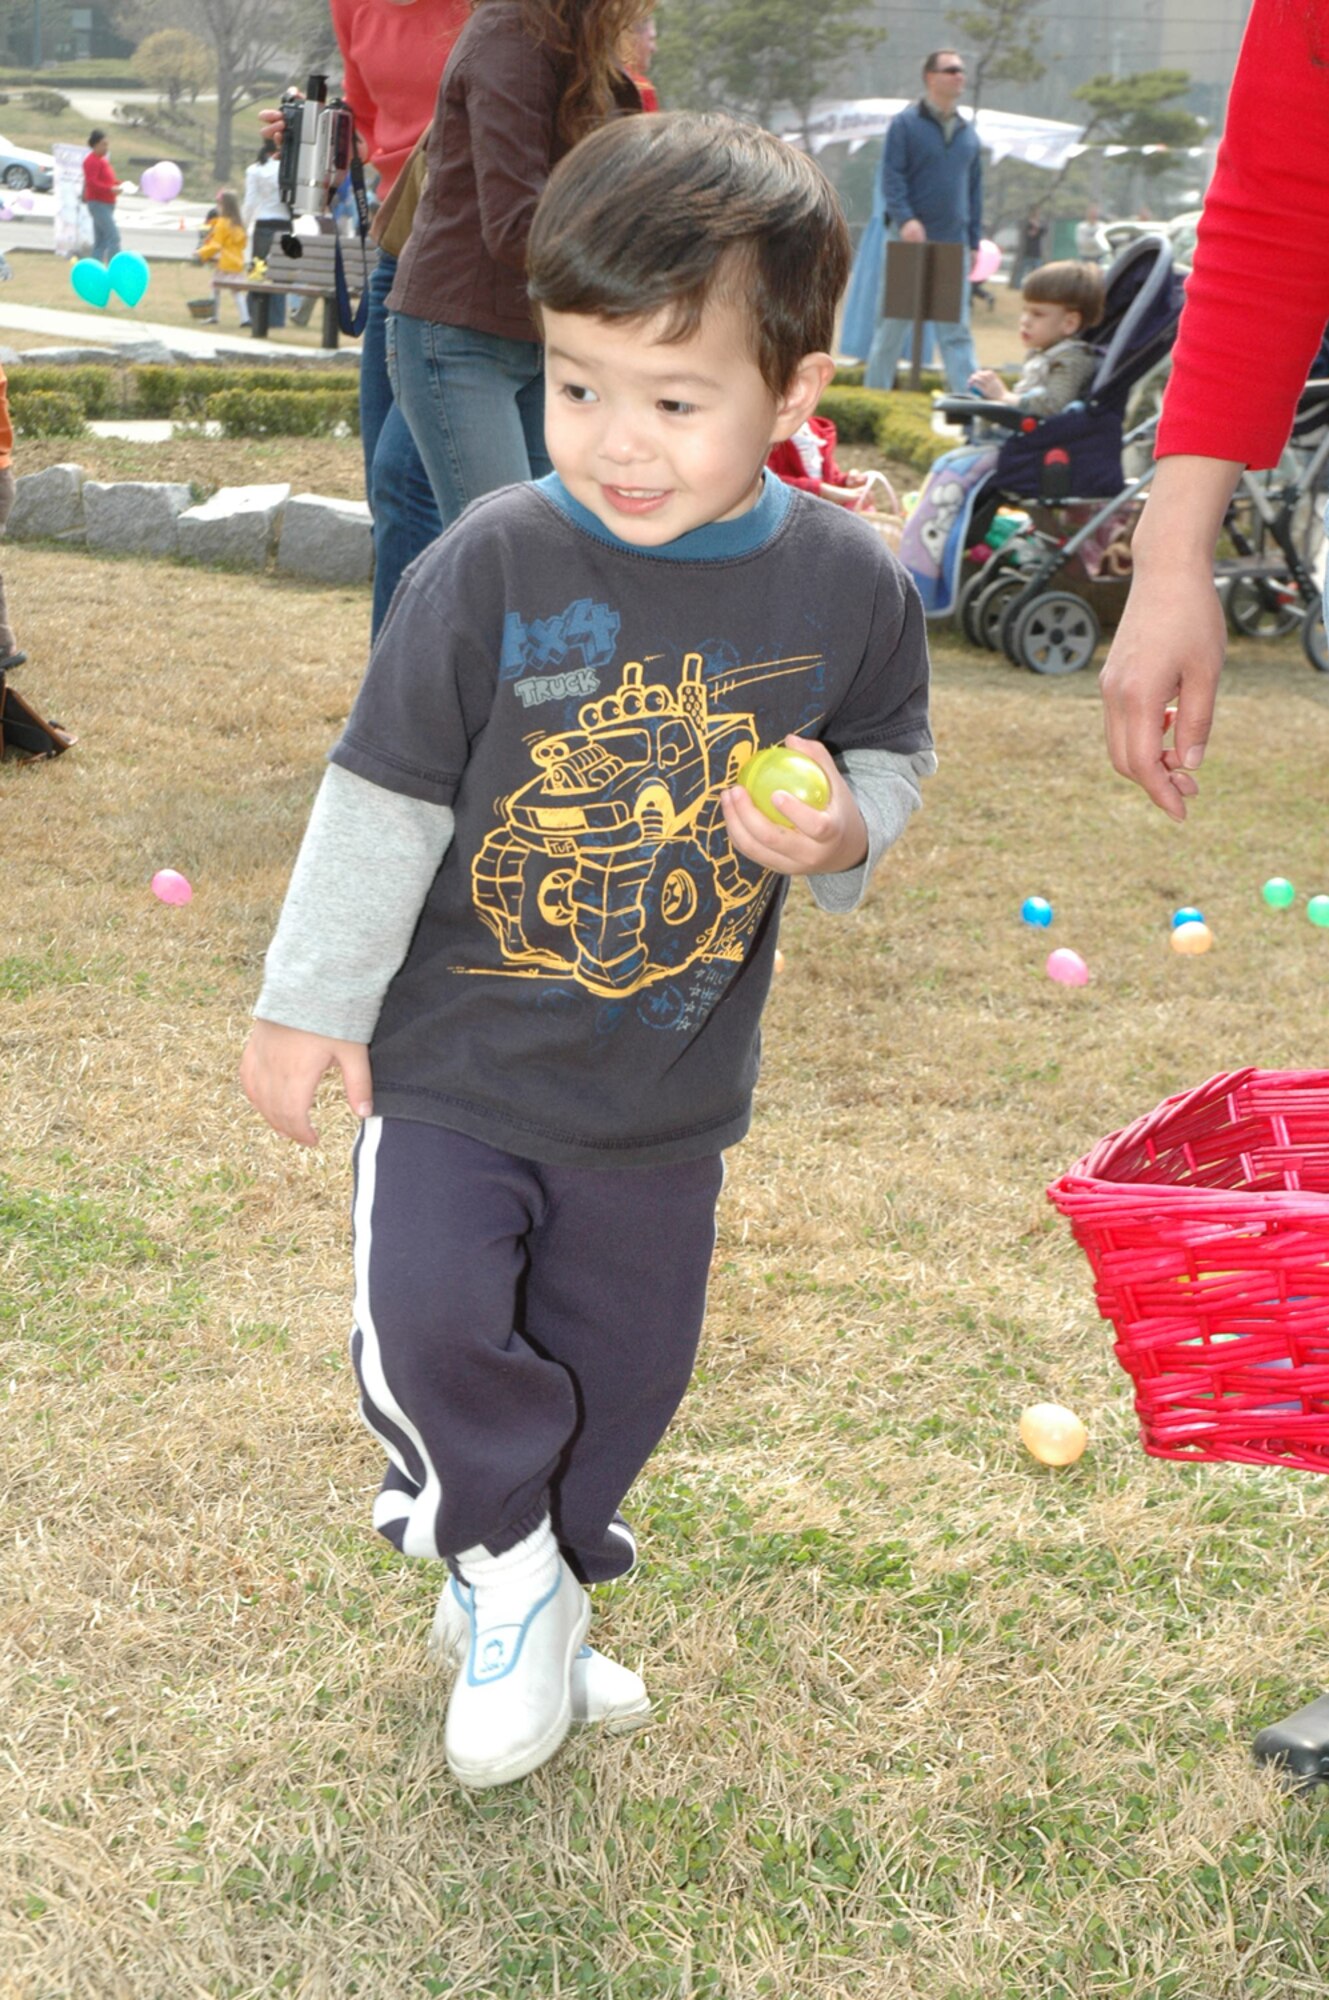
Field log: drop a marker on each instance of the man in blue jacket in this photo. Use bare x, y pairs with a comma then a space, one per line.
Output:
932, 189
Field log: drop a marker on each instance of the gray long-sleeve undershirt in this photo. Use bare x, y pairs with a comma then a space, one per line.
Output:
369, 856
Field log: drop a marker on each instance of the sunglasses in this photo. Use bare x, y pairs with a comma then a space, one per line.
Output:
948, 69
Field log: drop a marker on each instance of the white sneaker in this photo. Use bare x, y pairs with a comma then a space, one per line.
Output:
511, 1703
602, 1691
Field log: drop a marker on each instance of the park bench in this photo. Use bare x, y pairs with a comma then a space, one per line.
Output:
312, 275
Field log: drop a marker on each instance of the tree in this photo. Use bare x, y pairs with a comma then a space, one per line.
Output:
752, 55
1003, 38
248, 40
1139, 110
175, 63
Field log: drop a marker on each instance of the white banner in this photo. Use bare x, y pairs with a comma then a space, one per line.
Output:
68, 192
1042, 142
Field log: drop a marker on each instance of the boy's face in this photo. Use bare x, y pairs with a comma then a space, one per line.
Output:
1043, 325
659, 438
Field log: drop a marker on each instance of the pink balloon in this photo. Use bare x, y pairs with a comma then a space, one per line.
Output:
987, 262
170, 887
162, 182
1067, 968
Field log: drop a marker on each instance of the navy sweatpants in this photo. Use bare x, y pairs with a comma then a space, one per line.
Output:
523, 1335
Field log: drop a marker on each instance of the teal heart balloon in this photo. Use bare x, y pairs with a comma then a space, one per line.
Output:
129, 276
91, 280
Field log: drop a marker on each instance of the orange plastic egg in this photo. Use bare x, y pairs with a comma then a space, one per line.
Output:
1053, 1434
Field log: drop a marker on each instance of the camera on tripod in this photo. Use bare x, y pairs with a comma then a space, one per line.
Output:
317, 147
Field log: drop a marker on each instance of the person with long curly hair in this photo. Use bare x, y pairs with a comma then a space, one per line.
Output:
526, 79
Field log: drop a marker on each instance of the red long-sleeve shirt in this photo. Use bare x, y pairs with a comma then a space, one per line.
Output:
1257, 302
99, 182
393, 58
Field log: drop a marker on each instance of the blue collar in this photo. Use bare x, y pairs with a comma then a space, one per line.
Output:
718, 541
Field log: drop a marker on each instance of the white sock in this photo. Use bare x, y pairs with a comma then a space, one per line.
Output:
505, 1587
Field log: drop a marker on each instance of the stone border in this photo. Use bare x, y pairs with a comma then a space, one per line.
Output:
240, 527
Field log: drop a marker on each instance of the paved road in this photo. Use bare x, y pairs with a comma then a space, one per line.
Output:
145, 226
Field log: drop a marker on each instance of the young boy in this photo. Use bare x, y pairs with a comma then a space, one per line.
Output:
1062, 302
533, 899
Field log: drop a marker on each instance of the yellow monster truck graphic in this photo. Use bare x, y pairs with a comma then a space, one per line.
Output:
614, 866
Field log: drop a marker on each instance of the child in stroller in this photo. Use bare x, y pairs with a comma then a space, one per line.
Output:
1062, 302
1065, 468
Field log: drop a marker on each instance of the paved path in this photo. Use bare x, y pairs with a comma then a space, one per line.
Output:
204, 343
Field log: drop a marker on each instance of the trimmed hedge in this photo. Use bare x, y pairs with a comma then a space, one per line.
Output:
283, 412
898, 423
159, 390
46, 413
850, 376
94, 389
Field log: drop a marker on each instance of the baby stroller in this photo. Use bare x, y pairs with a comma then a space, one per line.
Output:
1269, 585
1067, 471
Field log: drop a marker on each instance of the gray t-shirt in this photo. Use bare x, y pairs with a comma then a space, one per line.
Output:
585, 981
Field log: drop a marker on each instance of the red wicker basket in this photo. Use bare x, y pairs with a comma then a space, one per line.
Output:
1206, 1224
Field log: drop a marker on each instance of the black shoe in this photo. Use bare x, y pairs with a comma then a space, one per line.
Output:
11, 660
1300, 1743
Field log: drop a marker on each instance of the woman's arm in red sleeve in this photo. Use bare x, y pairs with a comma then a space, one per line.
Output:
1257, 301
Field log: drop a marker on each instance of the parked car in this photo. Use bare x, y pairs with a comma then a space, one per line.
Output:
23, 167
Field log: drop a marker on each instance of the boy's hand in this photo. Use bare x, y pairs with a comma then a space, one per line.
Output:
988, 383
281, 1069
815, 843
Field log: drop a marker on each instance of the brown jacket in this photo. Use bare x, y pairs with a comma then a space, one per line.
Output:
490, 150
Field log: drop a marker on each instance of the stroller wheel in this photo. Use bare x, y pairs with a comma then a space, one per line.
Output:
1055, 634
1314, 642
991, 608
966, 605
1262, 607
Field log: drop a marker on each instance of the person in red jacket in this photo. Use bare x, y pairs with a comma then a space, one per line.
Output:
1256, 308
100, 188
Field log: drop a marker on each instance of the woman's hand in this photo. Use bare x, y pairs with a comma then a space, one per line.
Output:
814, 843
1162, 674
1163, 668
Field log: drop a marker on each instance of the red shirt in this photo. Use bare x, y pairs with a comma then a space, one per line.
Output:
393, 58
1257, 302
786, 461
99, 179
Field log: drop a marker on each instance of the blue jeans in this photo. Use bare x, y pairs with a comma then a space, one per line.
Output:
892, 337
267, 230
397, 487
105, 234
475, 404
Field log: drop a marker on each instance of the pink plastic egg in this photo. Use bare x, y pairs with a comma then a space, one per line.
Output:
1067, 968
168, 886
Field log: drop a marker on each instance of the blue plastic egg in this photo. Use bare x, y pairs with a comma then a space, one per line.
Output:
1036, 910
1187, 916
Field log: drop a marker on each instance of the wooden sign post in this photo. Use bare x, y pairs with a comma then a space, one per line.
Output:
924, 281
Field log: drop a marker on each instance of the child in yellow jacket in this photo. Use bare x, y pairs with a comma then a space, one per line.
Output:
225, 243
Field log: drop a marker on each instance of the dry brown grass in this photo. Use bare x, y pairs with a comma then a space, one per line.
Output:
933, 1724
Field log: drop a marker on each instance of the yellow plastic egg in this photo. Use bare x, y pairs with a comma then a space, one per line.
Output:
1052, 1433
779, 961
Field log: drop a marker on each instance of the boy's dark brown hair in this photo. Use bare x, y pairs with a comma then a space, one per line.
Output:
1078, 287
658, 214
